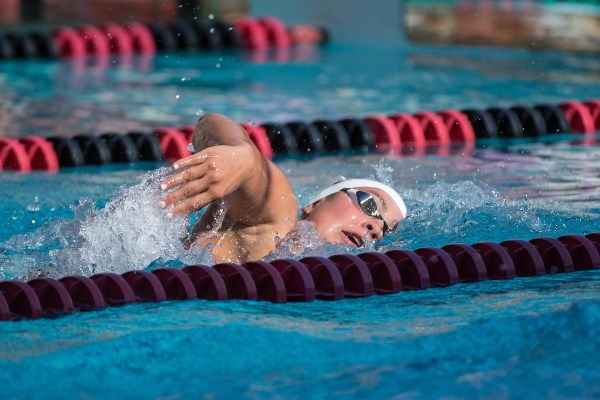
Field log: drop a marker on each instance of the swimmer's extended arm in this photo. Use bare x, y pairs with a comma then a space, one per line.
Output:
230, 166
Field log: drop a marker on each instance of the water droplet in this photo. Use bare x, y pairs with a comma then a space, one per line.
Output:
34, 206
211, 16
176, 96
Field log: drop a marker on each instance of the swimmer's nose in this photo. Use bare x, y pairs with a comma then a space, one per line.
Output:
374, 231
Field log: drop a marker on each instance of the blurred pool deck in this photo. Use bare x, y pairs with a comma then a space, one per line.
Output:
569, 25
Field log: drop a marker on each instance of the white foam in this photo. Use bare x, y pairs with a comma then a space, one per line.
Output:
305, 241
463, 212
130, 232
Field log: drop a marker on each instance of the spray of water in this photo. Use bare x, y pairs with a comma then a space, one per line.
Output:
383, 172
305, 241
464, 212
130, 232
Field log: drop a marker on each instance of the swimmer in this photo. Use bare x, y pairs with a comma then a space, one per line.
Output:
260, 204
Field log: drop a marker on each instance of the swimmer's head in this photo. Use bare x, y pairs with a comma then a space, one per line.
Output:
353, 210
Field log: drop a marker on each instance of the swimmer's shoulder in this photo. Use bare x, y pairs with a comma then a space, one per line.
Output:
282, 201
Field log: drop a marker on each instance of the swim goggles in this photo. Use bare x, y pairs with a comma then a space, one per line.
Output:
367, 204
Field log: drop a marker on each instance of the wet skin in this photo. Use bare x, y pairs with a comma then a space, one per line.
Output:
260, 203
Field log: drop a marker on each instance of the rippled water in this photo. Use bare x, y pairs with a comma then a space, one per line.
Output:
173, 89
523, 338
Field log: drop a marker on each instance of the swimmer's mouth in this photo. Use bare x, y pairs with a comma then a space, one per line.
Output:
356, 240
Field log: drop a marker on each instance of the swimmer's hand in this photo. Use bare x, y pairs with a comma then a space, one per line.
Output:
209, 175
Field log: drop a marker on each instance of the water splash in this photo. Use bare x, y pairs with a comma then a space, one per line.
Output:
305, 241
130, 232
464, 212
383, 172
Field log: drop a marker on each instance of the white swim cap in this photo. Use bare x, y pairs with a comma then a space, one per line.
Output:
365, 183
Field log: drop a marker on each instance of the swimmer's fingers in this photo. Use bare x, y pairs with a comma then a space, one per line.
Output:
191, 160
209, 175
192, 204
190, 190
196, 169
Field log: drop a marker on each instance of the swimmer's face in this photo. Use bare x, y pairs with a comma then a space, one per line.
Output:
340, 220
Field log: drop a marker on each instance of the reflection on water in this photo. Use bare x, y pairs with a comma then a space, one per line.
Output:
120, 95
560, 174
473, 340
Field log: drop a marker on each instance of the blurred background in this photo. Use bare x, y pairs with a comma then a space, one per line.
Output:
544, 24
71, 12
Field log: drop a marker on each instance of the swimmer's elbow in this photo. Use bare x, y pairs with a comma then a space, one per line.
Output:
212, 118
217, 129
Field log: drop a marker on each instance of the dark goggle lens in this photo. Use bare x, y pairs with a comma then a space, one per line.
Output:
369, 206
367, 203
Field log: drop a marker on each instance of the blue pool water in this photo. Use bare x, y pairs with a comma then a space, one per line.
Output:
523, 338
